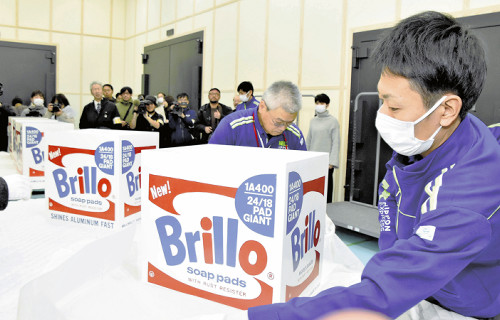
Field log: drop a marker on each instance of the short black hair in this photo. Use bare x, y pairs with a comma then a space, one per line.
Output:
61, 98
169, 100
16, 100
437, 55
215, 90
37, 93
323, 98
126, 89
245, 86
108, 85
182, 95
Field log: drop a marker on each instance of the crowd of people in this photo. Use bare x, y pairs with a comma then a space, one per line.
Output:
180, 124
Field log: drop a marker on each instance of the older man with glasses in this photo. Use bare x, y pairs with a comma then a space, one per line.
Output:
270, 125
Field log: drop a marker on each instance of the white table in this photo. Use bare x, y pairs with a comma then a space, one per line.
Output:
52, 270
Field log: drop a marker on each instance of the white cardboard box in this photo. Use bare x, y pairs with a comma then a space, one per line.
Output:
30, 145
11, 132
237, 225
94, 176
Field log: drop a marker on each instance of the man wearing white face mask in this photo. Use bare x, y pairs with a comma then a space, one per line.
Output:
248, 101
37, 107
439, 202
324, 136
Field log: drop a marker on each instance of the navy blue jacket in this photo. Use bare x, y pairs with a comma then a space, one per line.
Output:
182, 128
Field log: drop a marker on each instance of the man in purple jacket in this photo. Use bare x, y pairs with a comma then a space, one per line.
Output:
439, 203
270, 125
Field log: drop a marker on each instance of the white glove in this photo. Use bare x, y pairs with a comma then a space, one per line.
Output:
19, 187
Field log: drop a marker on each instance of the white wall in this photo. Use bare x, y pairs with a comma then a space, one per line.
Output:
304, 41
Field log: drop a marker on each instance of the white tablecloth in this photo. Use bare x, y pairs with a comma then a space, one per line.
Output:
52, 270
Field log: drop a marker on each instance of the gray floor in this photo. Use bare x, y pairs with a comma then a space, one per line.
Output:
363, 246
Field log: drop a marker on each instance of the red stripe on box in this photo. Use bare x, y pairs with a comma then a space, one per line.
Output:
292, 292
158, 277
317, 185
106, 215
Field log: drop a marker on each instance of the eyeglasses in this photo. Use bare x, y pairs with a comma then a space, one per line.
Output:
276, 123
280, 124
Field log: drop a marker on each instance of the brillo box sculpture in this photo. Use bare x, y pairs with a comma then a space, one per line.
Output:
30, 144
11, 132
94, 176
237, 225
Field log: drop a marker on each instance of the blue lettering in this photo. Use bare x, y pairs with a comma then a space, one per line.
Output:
37, 155
296, 252
213, 242
84, 182
62, 186
133, 183
130, 183
303, 242
170, 241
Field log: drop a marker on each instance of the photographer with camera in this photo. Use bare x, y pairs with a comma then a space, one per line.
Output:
181, 121
37, 107
145, 117
125, 107
60, 110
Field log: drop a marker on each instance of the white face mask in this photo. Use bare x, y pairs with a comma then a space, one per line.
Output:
320, 108
38, 102
243, 97
400, 135
160, 100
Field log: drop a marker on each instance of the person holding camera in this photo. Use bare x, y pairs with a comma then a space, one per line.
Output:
125, 106
145, 118
181, 121
60, 110
37, 107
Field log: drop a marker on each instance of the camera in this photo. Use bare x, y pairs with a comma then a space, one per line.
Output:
177, 109
34, 113
141, 109
56, 107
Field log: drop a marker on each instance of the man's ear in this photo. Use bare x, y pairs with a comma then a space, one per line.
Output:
262, 105
452, 106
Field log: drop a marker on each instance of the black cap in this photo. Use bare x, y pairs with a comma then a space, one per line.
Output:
152, 99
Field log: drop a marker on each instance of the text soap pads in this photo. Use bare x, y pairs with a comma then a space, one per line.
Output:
237, 225
94, 176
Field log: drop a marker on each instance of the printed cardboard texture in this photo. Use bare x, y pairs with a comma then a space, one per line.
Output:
11, 132
30, 145
94, 176
240, 226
